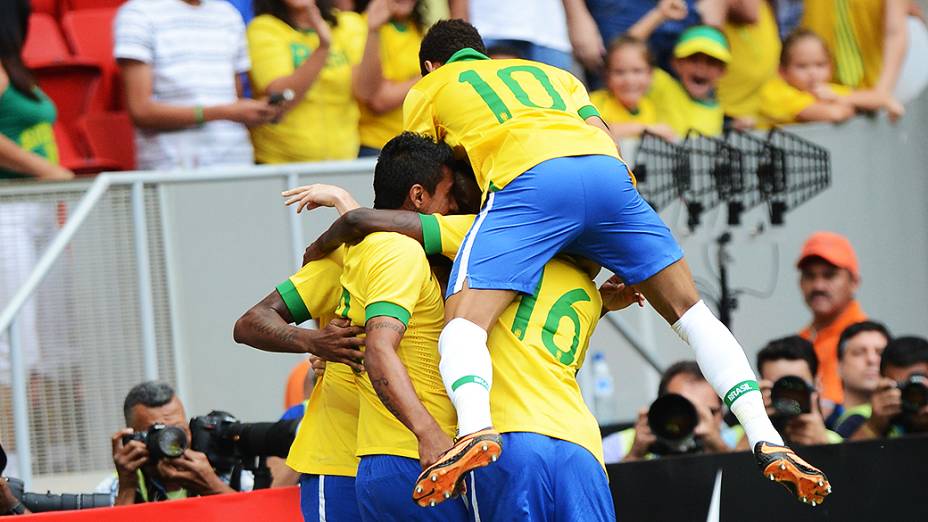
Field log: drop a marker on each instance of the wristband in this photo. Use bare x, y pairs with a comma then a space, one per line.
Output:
198, 115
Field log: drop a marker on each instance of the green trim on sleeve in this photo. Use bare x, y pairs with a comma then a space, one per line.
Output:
431, 234
388, 309
294, 302
587, 111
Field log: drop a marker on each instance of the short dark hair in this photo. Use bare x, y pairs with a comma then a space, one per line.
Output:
858, 328
791, 348
151, 394
903, 352
407, 160
690, 368
447, 37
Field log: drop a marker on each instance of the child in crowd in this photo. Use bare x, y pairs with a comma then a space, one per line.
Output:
623, 104
699, 59
804, 92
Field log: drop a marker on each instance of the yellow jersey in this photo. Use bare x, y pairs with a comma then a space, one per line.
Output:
506, 115
755, 56
537, 346
613, 111
327, 437
399, 61
854, 42
781, 103
387, 274
324, 124
676, 108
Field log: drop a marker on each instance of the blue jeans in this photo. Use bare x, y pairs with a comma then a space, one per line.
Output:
535, 52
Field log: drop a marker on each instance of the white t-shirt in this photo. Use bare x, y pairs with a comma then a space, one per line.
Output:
541, 22
195, 52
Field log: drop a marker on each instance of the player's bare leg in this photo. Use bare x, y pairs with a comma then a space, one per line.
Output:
467, 373
673, 294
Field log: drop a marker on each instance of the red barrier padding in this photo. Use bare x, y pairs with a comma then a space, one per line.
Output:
278, 505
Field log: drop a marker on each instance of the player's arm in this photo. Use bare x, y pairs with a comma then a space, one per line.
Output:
267, 327
393, 386
359, 223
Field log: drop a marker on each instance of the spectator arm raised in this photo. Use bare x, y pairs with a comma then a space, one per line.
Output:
458, 8
895, 42
745, 12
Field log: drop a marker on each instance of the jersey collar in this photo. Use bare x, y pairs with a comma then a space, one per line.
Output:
467, 54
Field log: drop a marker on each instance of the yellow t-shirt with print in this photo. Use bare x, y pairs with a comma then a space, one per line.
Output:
863, 57
399, 61
327, 437
387, 274
676, 108
613, 111
537, 346
755, 56
781, 103
506, 115
324, 124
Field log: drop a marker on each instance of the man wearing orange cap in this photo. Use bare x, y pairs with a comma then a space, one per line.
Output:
828, 281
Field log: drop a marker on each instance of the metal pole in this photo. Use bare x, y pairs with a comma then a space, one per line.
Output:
297, 243
626, 332
143, 267
20, 405
167, 236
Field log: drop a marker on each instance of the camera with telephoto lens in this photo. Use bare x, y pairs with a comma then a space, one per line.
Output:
673, 420
42, 502
168, 442
791, 396
914, 394
229, 443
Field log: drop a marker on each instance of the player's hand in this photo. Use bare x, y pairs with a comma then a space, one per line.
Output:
644, 438
586, 41
432, 445
337, 342
887, 403
616, 295
128, 458
309, 197
193, 471
709, 431
318, 365
808, 428
672, 9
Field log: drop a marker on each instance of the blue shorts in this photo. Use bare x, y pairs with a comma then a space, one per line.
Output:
384, 489
328, 498
539, 478
583, 205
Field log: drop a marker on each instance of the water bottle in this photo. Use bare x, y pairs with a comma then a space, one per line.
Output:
603, 390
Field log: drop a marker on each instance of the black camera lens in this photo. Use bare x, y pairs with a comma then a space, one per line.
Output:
914, 394
673, 419
791, 396
171, 441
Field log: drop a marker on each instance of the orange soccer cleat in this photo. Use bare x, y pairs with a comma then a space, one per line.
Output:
442, 480
781, 464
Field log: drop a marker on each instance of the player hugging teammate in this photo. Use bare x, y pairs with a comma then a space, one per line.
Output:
494, 362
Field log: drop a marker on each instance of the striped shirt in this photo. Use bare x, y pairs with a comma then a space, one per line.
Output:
195, 52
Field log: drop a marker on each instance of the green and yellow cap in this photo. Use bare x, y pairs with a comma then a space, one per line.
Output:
703, 39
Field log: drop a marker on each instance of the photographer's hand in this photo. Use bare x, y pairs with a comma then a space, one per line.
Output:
808, 428
193, 471
765, 391
7, 500
709, 431
887, 403
643, 438
127, 458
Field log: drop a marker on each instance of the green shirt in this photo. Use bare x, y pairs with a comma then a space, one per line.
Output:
28, 123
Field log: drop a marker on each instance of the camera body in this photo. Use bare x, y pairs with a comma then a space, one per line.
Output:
673, 420
162, 441
791, 396
228, 442
914, 394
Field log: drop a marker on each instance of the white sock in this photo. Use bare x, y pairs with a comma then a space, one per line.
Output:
467, 372
725, 366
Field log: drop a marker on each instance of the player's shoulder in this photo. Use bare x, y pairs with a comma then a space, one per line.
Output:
387, 245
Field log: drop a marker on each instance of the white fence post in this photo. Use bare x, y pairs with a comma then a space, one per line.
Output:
20, 404
143, 267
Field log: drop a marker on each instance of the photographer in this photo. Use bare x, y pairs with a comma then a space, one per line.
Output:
143, 477
9, 504
900, 403
859, 351
787, 368
710, 435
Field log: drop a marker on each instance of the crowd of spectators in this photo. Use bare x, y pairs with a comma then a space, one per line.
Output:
220, 82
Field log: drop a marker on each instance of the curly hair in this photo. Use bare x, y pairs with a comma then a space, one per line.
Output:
447, 37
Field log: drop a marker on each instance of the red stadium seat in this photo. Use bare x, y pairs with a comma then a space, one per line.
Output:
109, 135
71, 158
74, 5
71, 84
44, 43
89, 32
49, 7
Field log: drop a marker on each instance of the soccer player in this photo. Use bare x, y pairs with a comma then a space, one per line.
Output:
324, 448
553, 181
